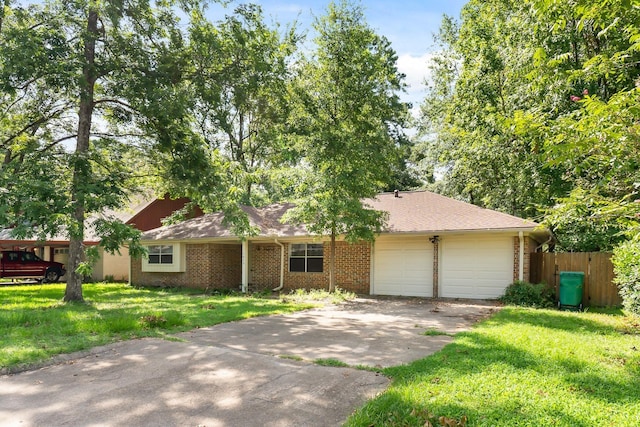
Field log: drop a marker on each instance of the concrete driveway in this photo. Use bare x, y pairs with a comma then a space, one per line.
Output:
253, 372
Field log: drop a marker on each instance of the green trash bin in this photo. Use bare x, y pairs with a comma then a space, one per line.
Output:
571, 286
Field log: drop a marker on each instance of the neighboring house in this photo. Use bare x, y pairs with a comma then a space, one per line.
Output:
143, 215
433, 246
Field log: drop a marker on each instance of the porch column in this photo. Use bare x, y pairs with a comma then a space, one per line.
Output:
521, 257
436, 265
245, 266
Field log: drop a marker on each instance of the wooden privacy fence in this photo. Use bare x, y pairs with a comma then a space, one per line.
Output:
599, 289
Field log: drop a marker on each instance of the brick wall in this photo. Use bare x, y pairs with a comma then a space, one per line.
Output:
529, 246
264, 265
217, 266
353, 268
212, 266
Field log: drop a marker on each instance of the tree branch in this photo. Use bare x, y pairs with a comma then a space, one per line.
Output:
55, 142
114, 101
36, 123
117, 135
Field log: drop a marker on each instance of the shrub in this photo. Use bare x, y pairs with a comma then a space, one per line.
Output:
626, 266
528, 295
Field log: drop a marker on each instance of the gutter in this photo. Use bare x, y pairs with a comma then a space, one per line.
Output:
281, 266
546, 242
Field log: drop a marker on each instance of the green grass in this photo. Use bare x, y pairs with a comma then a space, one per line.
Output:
36, 325
291, 357
522, 367
334, 363
433, 332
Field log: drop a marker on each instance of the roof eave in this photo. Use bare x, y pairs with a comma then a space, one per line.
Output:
469, 230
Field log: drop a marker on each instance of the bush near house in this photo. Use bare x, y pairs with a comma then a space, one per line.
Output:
527, 294
626, 266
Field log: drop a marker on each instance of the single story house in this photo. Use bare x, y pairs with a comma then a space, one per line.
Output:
145, 213
433, 246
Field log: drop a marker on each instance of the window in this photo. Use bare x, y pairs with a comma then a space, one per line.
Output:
161, 254
29, 257
167, 258
306, 257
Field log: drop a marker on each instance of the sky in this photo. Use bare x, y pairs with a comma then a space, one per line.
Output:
408, 24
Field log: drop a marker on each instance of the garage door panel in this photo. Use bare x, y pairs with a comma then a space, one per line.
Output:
403, 267
481, 293
476, 266
493, 260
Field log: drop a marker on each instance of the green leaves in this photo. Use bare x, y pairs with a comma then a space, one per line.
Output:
585, 222
239, 84
103, 74
522, 117
347, 113
626, 266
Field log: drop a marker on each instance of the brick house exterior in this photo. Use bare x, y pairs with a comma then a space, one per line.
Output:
218, 266
213, 257
529, 246
210, 266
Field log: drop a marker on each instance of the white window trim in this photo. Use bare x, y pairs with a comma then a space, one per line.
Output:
177, 266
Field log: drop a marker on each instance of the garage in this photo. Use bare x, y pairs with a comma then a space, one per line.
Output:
403, 266
475, 266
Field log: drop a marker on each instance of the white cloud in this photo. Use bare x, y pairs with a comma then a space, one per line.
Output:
416, 68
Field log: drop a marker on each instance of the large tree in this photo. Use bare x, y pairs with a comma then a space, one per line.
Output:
348, 117
593, 47
241, 73
77, 77
531, 112
472, 117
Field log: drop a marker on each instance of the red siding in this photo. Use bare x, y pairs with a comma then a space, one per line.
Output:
151, 216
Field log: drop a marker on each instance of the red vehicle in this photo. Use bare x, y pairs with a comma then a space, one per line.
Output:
26, 265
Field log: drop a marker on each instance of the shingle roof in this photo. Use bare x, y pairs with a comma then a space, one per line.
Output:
208, 226
137, 204
424, 211
411, 212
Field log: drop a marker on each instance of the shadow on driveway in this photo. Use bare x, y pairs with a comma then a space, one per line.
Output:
227, 375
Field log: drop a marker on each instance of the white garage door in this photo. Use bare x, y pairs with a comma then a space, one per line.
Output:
403, 267
475, 266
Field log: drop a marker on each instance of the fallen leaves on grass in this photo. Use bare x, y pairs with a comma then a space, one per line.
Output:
153, 320
430, 419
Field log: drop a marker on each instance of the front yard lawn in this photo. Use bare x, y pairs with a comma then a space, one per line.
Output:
35, 324
522, 367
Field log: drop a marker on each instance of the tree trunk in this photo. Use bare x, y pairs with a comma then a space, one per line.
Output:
81, 168
332, 262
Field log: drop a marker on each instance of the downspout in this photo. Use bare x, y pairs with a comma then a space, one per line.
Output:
521, 258
546, 242
281, 266
245, 266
